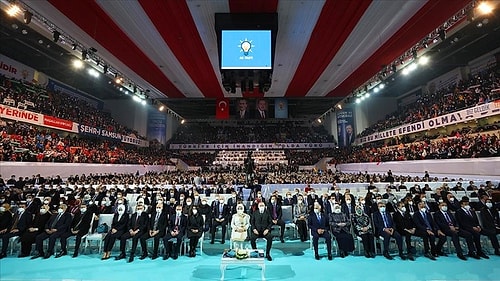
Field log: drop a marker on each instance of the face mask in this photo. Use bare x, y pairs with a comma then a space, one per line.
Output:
233, 196
83, 210
221, 201
261, 209
120, 202
121, 212
43, 211
489, 205
382, 209
423, 210
410, 202
452, 199
108, 194
467, 207
189, 203
2, 209
178, 213
348, 201
239, 211
181, 199
204, 203
403, 209
171, 194
20, 210
289, 196
444, 208
28, 200
199, 196
424, 199
362, 202
119, 196
60, 211
300, 200
272, 201
316, 211
158, 210
195, 211
379, 200
259, 195
337, 211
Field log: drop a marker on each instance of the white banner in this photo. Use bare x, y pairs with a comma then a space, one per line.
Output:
476, 112
21, 115
12, 68
245, 146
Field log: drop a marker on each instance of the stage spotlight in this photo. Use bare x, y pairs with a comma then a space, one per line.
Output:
319, 120
13, 10
27, 17
358, 100
339, 106
183, 121
161, 108
77, 63
423, 60
55, 35
381, 86
485, 8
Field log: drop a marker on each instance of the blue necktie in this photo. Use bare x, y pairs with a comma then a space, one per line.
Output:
386, 222
424, 215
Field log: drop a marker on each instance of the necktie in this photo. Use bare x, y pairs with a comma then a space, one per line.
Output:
156, 221
262, 114
448, 220
386, 223
319, 218
177, 220
275, 214
55, 221
424, 215
16, 220
469, 213
136, 221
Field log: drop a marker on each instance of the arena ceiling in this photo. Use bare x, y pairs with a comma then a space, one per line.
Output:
325, 50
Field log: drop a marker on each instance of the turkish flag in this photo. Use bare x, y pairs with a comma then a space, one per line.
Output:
222, 109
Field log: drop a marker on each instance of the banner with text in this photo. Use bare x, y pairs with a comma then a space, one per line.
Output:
38, 119
15, 69
346, 131
245, 146
103, 133
56, 86
157, 126
476, 112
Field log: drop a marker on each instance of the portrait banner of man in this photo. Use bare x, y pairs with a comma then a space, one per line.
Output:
242, 109
261, 110
346, 130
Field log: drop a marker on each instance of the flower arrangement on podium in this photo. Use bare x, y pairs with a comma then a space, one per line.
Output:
241, 254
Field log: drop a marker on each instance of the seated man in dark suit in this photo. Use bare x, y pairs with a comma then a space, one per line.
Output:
137, 226
176, 229
468, 221
156, 230
427, 229
319, 225
491, 224
55, 228
261, 223
384, 227
12, 225
79, 227
448, 227
276, 215
405, 226
220, 216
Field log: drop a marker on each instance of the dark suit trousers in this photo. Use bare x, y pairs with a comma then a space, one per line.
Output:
454, 238
64, 240
268, 237
368, 243
109, 240
328, 241
27, 239
156, 242
429, 240
387, 238
168, 245
135, 241
492, 234
52, 241
302, 229
281, 224
5, 240
223, 224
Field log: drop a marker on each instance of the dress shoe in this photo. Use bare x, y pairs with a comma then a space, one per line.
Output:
61, 253
282, 240
372, 255
429, 256
268, 257
143, 256
342, 254
474, 256
462, 257
483, 255
330, 257
75, 254
387, 256
154, 257
121, 256
37, 255
316, 257
131, 258
175, 257
402, 256
367, 254
47, 255
212, 242
497, 252
2, 255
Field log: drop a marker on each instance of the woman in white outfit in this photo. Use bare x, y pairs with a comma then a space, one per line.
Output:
239, 225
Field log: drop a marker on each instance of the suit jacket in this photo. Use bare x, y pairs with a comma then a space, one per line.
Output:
182, 224
314, 224
441, 222
226, 212
378, 222
82, 222
345, 209
138, 222
162, 222
490, 219
6, 220
261, 221
328, 207
194, 222
63, 224
120, 225
402, 222
24, 221
420, 224
279, 211
465, 221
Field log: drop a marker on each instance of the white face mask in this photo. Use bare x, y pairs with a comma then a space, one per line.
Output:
403, 209
60, 211
316, 211
452, 199
348, 201
261, 209
2, 209
181, 199
467, 207
120, 202
233, 196
382, 209
337, 211
272, 201
195, 211
444, 208
196, 196
300, 201
489, 205
28, 200
158, 210
221, 201
83, 210
203, 202
189, 203
410, 202
43, 211
178, 213
423, 210
20, 210
239, 211
139, 212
